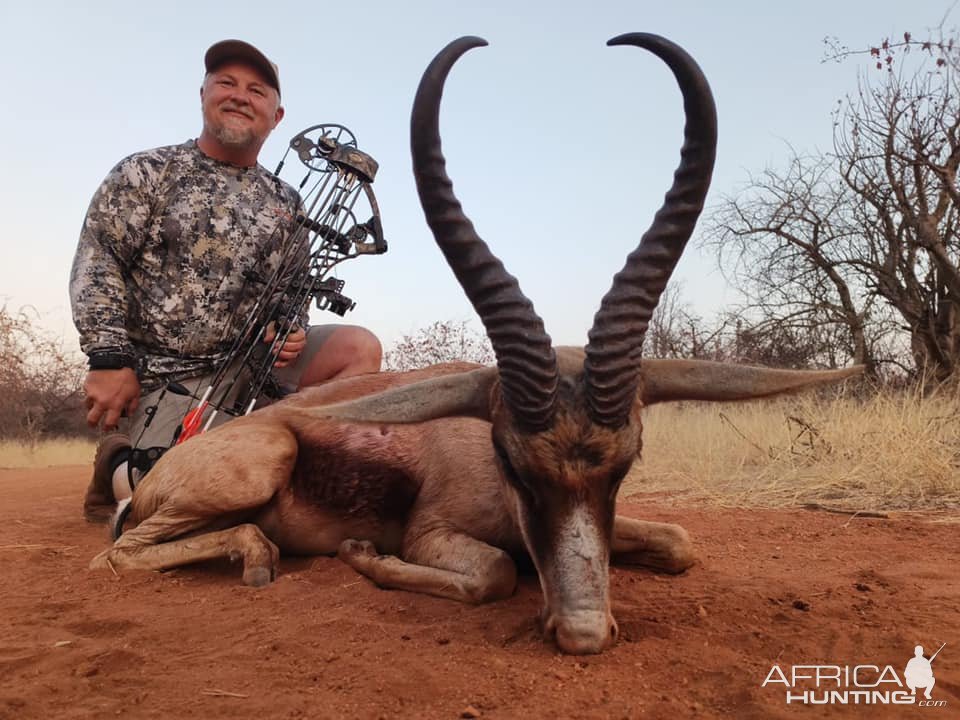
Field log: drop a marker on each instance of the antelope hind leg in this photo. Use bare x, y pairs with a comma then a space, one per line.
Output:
460, 567
248, 462
659, 546
244, 542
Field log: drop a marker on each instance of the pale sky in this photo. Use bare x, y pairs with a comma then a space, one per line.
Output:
560, 148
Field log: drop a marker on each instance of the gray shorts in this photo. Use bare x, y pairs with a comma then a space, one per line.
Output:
160, 412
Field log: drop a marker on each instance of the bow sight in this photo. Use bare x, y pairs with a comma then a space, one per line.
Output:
331, 223
335, 193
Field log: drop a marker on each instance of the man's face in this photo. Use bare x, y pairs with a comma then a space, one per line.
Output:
240, 108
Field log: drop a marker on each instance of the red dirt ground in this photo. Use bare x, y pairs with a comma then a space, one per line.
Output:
795, 587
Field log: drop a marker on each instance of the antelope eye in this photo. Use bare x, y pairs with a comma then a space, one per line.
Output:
615, 488
616, 478
513, 477
504, 460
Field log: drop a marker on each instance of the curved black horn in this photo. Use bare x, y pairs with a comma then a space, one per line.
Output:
613, 353
525, 357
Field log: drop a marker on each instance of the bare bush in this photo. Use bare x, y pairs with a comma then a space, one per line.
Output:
862, 241
441, 341
40, 382
675, 331
742, 335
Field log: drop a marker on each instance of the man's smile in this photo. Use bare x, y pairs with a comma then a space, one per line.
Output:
236, 111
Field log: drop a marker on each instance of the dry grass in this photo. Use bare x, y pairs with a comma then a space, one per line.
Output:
46, 453
890, 451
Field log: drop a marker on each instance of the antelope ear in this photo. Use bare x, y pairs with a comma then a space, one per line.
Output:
465, 394
666, 380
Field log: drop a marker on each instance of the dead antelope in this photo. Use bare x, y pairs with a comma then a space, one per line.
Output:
522, 458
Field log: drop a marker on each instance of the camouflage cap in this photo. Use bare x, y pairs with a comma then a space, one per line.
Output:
225, 50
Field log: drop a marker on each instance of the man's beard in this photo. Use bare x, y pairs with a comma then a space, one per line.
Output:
229, 135
233, 137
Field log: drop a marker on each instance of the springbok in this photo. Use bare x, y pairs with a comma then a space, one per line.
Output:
430, 481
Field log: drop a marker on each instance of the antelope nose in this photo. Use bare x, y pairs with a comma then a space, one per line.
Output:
585, 633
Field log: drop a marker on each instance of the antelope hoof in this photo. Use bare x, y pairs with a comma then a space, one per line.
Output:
101, 561
258, 576
353, 550
358, 554
680, 554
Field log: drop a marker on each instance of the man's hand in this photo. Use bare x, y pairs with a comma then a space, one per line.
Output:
291, 349
109, 393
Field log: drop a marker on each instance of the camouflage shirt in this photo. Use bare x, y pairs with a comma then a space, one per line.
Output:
161, 267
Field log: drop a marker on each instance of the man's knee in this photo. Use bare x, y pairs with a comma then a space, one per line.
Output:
361, 347
340, 351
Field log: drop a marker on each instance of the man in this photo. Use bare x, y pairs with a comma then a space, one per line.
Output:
162, 267
919, 672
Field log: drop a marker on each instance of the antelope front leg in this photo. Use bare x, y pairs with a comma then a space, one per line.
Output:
460, 567
659, 546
